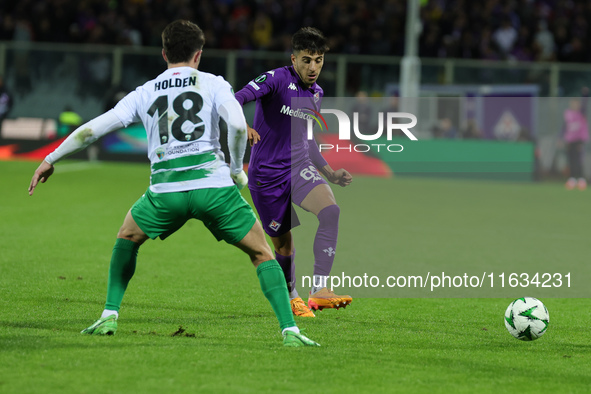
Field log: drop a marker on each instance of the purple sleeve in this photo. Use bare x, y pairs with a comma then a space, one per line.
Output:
245, 95
315, 154
313, 150
257, 88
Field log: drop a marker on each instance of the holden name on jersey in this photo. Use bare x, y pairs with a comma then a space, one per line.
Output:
175, 83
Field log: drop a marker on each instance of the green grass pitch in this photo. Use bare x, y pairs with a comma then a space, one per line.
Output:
55, 251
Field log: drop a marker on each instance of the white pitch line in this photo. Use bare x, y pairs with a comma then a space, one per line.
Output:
76, 167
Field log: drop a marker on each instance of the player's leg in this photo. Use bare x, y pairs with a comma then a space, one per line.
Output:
231, 218
571, 153
578, 166
269, 273
121, 270
278, 217
154, 214
285, 255
273, 285
321, 202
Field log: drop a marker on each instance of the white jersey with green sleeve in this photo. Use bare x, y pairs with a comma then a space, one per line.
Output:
180, 111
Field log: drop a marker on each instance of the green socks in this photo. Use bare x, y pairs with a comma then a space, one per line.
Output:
273, 285
270, 276
121, 271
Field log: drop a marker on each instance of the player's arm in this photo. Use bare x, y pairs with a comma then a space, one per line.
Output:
246, 95
254, 90
253, 135
315, 155
230, 111
78, 140
340, 177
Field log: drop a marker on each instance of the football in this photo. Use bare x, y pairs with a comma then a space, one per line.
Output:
527, 318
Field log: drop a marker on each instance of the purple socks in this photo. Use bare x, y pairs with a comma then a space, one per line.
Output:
325, 242
288, 267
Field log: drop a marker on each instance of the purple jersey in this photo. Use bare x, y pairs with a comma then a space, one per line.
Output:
271, 157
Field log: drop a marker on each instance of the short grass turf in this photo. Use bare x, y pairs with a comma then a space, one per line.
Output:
194, 319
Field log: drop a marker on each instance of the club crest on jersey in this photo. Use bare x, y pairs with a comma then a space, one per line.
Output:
160, 152
316, 97
274, 225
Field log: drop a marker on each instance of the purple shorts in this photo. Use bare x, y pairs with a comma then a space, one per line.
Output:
273, 201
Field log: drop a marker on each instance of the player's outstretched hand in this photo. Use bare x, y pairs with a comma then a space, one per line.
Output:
42, 173
253, 136
341, 177
240, 179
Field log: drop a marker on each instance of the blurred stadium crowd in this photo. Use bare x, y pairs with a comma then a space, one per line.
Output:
529, 30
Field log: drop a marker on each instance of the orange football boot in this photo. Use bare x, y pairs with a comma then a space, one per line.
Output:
325, 298
299, 308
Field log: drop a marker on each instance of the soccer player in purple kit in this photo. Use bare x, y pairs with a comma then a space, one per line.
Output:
284, 167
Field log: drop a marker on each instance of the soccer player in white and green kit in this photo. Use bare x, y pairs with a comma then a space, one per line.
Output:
181, 110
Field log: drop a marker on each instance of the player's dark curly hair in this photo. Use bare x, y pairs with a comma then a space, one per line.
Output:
309, 39
181, 39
